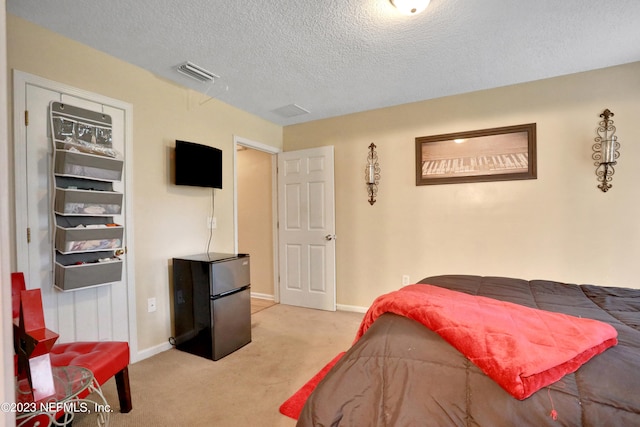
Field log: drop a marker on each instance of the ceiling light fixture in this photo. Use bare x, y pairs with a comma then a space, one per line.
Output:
410, 7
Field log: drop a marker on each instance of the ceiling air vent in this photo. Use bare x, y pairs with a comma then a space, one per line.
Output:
291, 110
195, 72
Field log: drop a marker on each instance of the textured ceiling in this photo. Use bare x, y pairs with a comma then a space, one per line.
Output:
334, 57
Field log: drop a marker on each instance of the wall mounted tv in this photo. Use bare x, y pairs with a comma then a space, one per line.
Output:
198, 165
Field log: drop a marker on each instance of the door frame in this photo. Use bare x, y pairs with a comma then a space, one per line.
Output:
244, 142
20, 80
7, 391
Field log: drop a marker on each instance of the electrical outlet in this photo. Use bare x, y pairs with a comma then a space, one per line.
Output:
151, 305
211, 222
405, 279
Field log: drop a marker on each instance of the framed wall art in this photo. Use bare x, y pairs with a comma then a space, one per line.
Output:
497, 154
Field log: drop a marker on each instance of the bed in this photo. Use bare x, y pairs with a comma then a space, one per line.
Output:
401, 373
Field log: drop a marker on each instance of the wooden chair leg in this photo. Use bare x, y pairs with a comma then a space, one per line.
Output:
124, 392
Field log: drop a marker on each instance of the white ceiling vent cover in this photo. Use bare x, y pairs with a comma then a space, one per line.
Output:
195, 72
291, 110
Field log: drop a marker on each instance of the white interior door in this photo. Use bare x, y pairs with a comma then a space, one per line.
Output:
306, 228
92, 314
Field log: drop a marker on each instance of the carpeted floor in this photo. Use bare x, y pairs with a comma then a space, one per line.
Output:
258, 304
289, 345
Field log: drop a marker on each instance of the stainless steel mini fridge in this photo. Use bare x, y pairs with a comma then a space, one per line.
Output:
212, 303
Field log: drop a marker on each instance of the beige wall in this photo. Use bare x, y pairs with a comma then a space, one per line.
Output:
255, 217
169, 221
558, 227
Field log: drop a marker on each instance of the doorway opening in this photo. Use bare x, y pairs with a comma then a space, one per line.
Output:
256, 217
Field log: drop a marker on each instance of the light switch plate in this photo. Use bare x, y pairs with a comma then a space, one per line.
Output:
211, 222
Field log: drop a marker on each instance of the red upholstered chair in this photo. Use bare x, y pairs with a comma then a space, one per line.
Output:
104, 358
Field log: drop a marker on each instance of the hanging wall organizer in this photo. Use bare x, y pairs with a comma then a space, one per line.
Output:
86, 239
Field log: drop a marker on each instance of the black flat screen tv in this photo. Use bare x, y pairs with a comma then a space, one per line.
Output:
198, 165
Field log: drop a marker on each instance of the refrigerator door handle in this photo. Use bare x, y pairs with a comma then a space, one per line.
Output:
231, 292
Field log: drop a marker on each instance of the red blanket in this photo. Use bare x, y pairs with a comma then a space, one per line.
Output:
522, 349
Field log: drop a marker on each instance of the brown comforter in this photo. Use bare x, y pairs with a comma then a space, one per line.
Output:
403, 374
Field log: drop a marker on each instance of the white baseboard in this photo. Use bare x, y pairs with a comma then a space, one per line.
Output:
353, 308
152, 351
262, 296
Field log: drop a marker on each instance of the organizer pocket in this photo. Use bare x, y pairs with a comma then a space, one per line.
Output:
90, 238
74, 272
87, 202
91, 166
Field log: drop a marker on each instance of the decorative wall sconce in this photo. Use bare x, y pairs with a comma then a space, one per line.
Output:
605, 150
372, 174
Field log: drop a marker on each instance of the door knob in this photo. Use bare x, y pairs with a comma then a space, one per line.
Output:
330, 237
